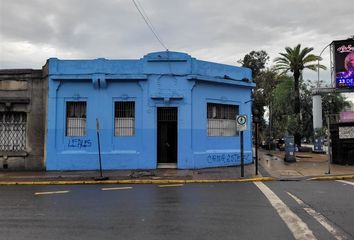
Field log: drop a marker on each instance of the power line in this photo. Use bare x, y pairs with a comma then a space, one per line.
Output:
140, 5
148, 23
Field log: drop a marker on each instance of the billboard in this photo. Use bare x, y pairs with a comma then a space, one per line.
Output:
344, 63
346, 117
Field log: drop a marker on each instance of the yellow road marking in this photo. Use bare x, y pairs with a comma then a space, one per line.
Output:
47, 193
171, 185
116, 188
140, 181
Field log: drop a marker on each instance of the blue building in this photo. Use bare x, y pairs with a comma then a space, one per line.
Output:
166, 109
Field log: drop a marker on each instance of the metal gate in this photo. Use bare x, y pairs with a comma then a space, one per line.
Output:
13, 131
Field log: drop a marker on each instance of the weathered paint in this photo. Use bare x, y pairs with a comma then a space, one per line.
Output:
23, 90
161, 79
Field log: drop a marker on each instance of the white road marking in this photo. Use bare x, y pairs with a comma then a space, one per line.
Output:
298, 200
47, 193
117, 188
171, 185
346, 182
299, 229
337, 234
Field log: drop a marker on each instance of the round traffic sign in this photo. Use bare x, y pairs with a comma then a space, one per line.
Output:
241, 120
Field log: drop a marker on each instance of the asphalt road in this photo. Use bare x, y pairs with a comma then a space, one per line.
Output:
192, 211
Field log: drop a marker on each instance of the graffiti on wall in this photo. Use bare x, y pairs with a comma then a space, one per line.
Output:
228, 158
79, 143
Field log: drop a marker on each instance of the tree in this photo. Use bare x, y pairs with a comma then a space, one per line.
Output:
333, 103
306, 89
296, 60
281, 107
255, 60
282, 114
266, 82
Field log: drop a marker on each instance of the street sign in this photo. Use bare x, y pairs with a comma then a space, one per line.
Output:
241, 125
241, 122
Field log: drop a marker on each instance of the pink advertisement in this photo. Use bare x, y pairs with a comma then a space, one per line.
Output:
346, 117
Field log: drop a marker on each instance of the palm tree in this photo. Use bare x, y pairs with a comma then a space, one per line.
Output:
296, 60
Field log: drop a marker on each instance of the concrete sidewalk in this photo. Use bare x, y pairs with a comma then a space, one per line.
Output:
225, 174
307, 166
271, 167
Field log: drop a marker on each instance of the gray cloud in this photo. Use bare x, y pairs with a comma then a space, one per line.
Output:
33, 30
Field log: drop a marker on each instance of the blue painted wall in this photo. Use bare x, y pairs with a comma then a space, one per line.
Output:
157, 80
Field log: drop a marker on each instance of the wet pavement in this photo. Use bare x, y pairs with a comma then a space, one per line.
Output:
156, 174
271, 164
307, 165
190, 211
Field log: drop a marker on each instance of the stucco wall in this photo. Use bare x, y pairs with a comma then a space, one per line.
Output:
24, 90
162, 79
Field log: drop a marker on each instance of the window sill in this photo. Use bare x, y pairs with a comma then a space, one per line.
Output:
13, 154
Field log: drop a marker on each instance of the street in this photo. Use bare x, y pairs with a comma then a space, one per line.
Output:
293, 210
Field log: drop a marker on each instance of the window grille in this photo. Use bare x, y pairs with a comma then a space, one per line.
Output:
13, 131
222, 119
167, 114
75, 118
124, 118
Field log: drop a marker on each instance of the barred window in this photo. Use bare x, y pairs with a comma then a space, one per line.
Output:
75, 118
124, 118
13, 131
222, 119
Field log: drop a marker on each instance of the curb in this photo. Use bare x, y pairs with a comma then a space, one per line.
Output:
325, 178
141, 181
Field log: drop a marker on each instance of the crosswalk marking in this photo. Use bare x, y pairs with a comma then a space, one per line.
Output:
47, 193
320, 219
116, 188
346, 182
298, 228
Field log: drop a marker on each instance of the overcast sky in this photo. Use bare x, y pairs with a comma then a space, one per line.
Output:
222, 31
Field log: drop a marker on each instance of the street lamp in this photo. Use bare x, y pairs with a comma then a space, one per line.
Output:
318, 65
317, 105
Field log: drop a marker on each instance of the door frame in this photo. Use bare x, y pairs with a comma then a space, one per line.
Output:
166, 165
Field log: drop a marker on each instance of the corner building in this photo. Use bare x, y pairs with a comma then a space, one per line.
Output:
164, 110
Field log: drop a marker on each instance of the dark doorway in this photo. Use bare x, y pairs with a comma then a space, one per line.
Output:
167, 135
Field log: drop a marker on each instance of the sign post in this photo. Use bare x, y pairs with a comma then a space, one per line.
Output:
242, 160
99, 151
241, 125
255, 120
256, 163
329, 144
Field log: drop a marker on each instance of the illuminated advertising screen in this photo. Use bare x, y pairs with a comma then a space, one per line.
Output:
344, 63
